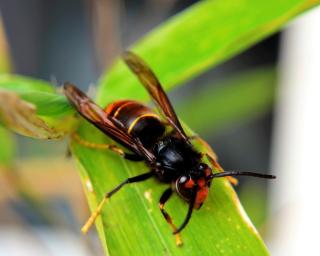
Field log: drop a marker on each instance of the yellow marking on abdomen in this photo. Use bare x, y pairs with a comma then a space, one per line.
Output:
121, 107
139, 118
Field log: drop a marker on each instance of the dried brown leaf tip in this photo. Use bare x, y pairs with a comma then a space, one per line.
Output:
21, 117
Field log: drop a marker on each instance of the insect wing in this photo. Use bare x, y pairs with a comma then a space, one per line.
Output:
94, 114
153, 86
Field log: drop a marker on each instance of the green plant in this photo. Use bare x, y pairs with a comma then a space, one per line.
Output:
186, 45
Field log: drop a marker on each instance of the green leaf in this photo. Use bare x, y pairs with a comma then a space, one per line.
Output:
199, 38
32, 108
48, 104
132, 223
38, 92
244, 96
19, 83
5, 62
185, 46
7, 149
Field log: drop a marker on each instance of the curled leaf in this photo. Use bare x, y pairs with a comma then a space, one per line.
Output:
21, 116
13, 82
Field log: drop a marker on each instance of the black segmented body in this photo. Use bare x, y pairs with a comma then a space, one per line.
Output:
138, 120
174, 157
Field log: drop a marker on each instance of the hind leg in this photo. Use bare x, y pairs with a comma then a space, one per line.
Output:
112, 147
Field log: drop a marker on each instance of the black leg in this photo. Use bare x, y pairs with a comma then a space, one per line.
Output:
134, 179
163, 199
187, 218
114, 148
97, 212
132, 157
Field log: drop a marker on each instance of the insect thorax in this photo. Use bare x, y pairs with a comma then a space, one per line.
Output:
175, 158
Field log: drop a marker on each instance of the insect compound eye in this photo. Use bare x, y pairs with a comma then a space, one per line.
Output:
182, 180
185, 182
184, 186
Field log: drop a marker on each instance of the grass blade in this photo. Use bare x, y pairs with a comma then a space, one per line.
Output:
132, 223
7, 149
199, 38
244, 96
5, 61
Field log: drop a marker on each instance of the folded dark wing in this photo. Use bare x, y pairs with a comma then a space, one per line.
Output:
153, 86
95, 115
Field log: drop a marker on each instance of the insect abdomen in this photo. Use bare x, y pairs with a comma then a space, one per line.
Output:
138, 120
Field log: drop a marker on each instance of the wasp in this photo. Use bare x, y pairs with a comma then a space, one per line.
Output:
160, 142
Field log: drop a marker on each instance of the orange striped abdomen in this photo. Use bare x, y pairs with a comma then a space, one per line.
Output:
138, 119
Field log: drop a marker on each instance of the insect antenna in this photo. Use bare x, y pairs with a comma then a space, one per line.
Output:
238, 173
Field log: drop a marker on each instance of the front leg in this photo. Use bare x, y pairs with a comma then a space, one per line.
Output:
163, 199
98, 210
88, 144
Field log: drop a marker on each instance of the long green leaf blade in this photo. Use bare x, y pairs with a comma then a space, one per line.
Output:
5, 61
7, 148
132, 223
199, 38
244, 96
19, 83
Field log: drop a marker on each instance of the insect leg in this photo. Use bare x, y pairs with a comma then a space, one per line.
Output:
98, 210
163, 199
114, 148
190, 209
212, 157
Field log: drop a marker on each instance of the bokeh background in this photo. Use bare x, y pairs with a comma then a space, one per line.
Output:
43, 206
